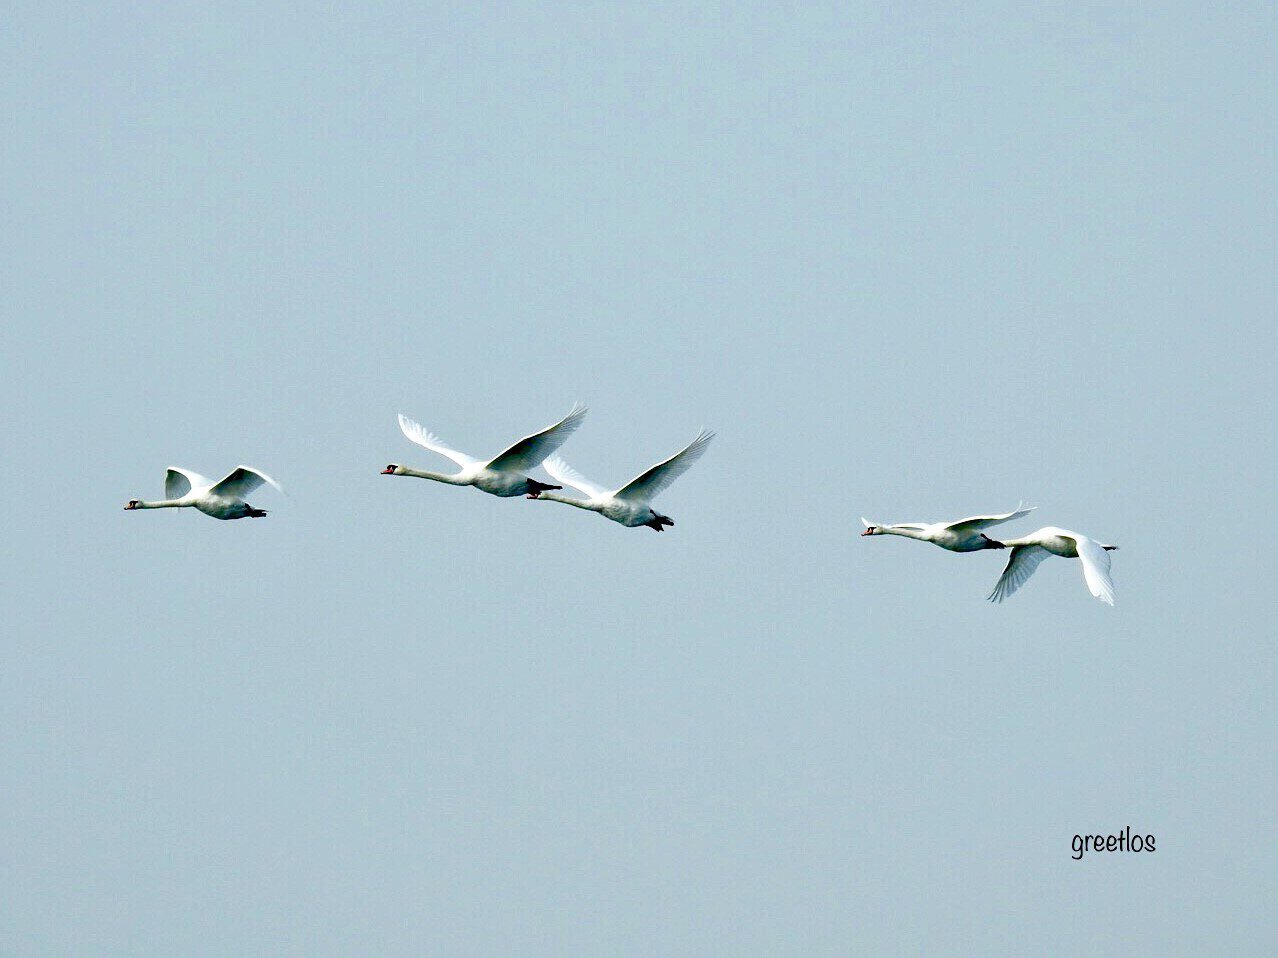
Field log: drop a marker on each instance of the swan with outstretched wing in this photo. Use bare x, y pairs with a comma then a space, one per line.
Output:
506, 473
961, 535
630, 505
224, 499
1030, 550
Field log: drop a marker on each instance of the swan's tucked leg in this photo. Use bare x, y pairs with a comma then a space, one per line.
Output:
992, 543
254, 513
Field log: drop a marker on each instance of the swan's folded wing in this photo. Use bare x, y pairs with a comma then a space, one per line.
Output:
424, 437
178, 482
243, 481
1095, 568
568, 476
531, 451
1020, 566
648, 485
984, 522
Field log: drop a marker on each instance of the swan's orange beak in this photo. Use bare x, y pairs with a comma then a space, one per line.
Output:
130, 505
868, 532
388, 471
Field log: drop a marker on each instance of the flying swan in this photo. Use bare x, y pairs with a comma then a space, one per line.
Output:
502, 476
961, 535
1030, 550
631, 504
221, 500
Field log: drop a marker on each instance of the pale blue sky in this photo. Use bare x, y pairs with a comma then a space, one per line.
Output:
910, 261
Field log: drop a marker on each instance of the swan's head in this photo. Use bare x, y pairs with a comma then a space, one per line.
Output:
870, 528
133, 503
393, 470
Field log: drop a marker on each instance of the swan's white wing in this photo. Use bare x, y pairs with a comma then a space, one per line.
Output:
424, 437
568, 476
243, 481
531, 451
178, 482
648, 485
1024, 560
1095, 568
984, 522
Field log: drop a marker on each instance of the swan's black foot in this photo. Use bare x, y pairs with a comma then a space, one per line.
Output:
658, 522
535, 488
255, 513
992, 543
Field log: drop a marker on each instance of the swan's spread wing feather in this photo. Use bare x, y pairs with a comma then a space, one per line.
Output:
1020, 566
424, 437
243, 481
532, 450
178, 482
568, 476
984, 522
1095, 568
648, 485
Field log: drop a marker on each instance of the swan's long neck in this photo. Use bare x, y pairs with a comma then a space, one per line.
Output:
437, 476
164, 504
908, 533
569, 501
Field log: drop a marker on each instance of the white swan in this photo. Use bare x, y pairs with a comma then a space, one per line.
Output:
1030, 550
501, 476
221, 500
961, 535
629, 505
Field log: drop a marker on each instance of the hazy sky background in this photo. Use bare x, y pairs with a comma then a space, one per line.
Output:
911, 261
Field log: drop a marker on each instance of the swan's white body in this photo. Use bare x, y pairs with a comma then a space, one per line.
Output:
1030, 550
961, 535
503, 475
631, 505
221, 500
